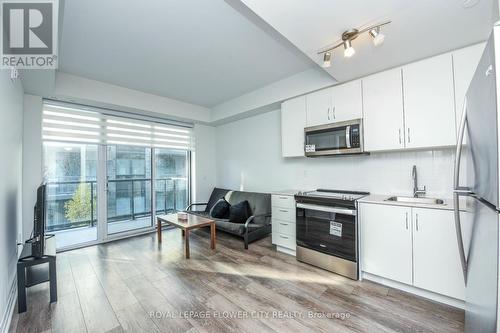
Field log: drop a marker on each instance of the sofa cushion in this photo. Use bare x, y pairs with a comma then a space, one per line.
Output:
234, 228
260, 204
220, 209
239, 212
217, 194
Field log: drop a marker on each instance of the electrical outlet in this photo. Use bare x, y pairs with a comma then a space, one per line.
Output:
14, 74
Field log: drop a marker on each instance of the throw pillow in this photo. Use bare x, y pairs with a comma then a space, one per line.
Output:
240, 212
220, 210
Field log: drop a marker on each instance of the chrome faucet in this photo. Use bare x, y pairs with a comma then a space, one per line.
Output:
416, 191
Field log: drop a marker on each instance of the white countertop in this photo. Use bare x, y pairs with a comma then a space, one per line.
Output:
381, 199
286, 192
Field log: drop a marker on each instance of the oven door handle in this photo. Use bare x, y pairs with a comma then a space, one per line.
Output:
328, 209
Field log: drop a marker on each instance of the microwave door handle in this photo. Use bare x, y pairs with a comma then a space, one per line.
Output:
348, 136
458, 191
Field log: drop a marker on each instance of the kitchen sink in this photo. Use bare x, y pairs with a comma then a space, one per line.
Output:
426, 201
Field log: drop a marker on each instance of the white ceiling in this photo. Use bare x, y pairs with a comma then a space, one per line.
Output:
419, 29
198, 51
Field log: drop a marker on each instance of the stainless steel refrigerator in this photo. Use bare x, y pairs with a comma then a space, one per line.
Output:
477, 158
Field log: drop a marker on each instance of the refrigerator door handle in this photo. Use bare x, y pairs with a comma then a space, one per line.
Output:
458, 191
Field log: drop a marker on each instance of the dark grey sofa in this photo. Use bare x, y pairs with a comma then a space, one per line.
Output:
258, 225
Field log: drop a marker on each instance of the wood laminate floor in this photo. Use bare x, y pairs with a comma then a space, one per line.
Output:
138, 285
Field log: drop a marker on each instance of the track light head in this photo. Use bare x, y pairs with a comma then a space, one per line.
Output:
327, 59
378, 37
349, 51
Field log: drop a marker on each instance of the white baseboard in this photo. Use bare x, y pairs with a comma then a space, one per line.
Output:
9, 310
285, 250
414, 290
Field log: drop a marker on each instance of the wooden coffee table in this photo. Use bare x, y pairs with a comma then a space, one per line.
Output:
192, 222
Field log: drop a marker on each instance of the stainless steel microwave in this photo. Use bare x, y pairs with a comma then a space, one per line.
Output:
344, 137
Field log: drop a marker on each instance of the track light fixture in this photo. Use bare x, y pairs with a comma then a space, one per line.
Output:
327, 59
347, 38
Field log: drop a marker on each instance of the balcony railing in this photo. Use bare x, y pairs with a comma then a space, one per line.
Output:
73, 204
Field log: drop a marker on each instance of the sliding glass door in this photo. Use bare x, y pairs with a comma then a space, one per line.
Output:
171, 180
129, 197
71, 175
70, 172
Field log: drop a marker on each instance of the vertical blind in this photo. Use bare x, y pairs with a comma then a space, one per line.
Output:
74, 123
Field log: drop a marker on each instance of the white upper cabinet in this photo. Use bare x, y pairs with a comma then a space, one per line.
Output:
436, 259
386, 241
383, 111
465, 62
429, 102
347, 101
293, 121
339, 103
319, 107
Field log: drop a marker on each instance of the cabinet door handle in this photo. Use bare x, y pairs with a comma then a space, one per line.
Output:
333, 113
284, 198
283, 237
283, 210
406, 220
328, 113
408, 135
399, 130
284, 223
416, 221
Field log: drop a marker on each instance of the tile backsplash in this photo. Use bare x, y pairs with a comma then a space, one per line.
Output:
249, 157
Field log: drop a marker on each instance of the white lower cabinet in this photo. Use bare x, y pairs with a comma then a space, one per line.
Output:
283, 223
415, 246
386, 241
436, 261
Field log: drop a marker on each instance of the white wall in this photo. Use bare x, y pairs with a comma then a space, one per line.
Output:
495, 12
249, 157
276, 92
86, 91
32, 157
11, 131
204, 162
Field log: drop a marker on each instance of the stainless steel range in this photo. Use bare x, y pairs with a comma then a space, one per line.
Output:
327, 230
